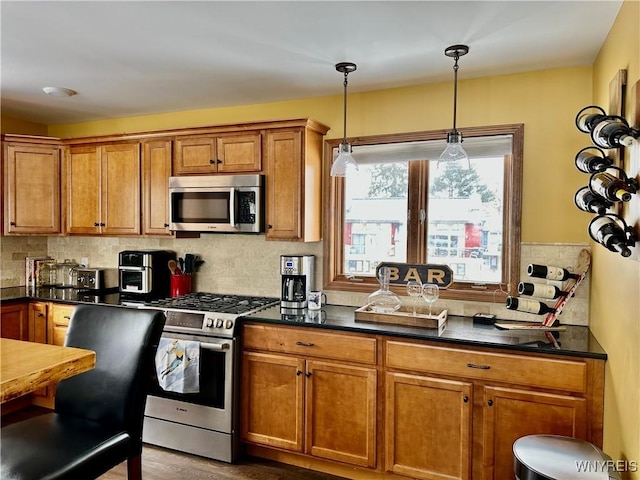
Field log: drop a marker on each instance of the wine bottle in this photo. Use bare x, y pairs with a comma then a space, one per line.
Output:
590, 162
612, 188
605, 230
587, 121
613, 131
591, 202
528, 305
539, 290
550, 272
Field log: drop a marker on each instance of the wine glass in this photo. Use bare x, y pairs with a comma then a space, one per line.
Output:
430, 293
414, 289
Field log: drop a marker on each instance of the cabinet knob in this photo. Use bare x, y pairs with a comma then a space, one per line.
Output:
269, 227
166, 225
212, 161
102, 224
465, 399
303, 344
218, 161
308, 374
490, 403
13, 224
298, 373
481, 367
96, 224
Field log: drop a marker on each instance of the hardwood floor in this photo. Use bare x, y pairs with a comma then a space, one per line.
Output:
161, 464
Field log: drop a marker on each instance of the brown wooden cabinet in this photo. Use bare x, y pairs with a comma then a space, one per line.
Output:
509, 396
428, 426
218, 153
103, 183
156, 170
294, 179
14, 321
38, 332
31, 173
307, 392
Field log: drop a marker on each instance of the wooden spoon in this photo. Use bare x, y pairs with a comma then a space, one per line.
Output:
172, 266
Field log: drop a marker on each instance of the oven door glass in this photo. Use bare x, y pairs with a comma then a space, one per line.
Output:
201, 207
215, 374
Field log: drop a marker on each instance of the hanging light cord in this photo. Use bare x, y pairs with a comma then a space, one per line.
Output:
344, 127
455, 90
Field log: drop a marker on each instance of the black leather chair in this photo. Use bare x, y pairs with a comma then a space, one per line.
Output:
98, 415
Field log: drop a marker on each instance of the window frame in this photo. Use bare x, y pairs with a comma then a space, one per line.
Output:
333, 216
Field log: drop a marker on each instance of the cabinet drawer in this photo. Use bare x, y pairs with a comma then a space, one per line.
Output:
304, 341
559, 374
61, 314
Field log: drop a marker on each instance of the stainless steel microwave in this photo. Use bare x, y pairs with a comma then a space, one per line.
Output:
217, 203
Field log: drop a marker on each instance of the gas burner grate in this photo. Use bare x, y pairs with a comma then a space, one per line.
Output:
212, 302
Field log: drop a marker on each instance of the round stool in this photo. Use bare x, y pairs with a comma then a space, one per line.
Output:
553, 457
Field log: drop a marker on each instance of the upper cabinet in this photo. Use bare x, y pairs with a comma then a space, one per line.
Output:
225, 153
103, 189
156, 170
31, 174
293, 159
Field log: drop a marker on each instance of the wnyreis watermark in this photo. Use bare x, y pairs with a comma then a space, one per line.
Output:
596, 466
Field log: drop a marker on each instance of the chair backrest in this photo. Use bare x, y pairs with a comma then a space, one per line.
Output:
114, 393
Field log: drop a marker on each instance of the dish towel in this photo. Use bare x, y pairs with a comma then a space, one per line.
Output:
178, 365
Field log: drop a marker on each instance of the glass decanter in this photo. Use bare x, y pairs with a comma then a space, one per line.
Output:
384, 300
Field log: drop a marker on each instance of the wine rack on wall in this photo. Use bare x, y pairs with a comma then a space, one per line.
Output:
612, 193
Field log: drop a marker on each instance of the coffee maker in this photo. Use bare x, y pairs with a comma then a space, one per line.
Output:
297, 280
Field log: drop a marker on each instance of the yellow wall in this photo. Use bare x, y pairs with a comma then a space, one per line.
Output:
615, 281
545, 101
15, 125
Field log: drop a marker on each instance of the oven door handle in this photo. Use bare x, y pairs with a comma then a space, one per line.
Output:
215, 346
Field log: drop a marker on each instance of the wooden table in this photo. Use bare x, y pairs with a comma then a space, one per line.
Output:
28, 366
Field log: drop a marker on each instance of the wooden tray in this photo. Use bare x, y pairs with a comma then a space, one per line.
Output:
404, 316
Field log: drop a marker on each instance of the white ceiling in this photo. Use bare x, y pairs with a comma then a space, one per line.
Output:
144, 57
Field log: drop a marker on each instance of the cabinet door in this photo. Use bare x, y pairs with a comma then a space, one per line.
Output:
428, 427
33, 179
120, 174
284, 203
239, 153
38, 332
60, 315
509, 414
156, 170
341, 413
195, 155
83, 192
272, 400
14, 321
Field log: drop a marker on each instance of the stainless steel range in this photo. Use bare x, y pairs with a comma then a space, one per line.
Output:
203, 423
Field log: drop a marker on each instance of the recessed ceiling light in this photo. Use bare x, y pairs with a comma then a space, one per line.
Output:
59, 91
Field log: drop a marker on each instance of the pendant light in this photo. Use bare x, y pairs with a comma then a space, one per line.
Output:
454, 151
344, 161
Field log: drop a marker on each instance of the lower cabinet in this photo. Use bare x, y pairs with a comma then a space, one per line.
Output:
14, 321
307, 404
428, 427
456, 412
48, 323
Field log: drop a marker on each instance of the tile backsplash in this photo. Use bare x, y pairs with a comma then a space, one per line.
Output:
247, 264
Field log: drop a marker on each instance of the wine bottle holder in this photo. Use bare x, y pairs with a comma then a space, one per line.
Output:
607, 194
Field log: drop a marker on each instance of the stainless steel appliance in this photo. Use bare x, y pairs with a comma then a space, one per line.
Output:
204, 423
96, 279
221, 203
297, 280
144, 274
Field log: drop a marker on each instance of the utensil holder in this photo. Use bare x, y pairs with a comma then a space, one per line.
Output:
180, 284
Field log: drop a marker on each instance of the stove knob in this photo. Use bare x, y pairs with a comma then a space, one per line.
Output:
209, 322
228, 324
219, 323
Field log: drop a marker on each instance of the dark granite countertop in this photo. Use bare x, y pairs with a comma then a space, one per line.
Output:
574, 341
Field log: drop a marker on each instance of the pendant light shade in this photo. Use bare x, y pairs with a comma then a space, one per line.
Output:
455, 153
344, 161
